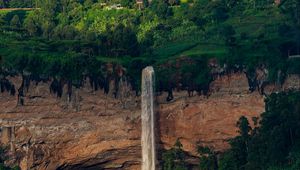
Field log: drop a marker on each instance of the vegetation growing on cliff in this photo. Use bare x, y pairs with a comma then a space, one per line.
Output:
61, 39
272, 144
174, 159
2, 160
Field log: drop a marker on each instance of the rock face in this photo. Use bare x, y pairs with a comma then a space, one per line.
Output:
93, 130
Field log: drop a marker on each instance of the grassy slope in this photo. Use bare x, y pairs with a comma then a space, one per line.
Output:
252, 23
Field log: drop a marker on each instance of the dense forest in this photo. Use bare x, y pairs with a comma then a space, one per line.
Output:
66, 41
17, 3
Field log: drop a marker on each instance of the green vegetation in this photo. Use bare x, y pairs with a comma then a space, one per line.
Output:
2, 159
174, 159
17, 3
61, 39
273, 143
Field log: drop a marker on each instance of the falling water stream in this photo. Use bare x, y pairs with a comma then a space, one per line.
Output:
148, 120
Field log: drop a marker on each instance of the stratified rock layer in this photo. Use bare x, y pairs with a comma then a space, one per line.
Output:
96, 131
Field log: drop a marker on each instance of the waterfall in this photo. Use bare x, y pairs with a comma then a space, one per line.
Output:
148, 120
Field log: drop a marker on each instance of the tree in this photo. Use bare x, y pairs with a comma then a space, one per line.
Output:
3, 3
228, 161
174, 2
30, 25
173, 159
21, 4
219, 13
272, 145
231, 3
88, 3
228, 32
244, 127
47, 28
2, 21
236, 158
124, 41
127, 3
160, 8
47, 17
208, 158
166, 81
145, 3
15, 22
198, 13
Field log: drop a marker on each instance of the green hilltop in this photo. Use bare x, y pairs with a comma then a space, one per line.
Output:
62, 38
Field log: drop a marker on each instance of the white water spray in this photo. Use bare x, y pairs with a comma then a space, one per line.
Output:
148, 120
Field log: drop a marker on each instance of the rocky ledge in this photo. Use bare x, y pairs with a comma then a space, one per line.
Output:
94, 130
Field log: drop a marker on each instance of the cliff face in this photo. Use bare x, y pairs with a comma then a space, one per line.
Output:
92, 130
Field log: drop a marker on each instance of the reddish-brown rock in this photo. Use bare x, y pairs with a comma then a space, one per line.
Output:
94, 130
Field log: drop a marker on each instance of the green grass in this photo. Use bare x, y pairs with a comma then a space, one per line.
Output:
190, 48
184, 1
47, 52
206, 49
253, 22
173, 49
118, 60
3, 13
7, 14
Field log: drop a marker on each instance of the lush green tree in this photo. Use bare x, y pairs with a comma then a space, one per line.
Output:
174, 2
30, 25
274, 144
219, 13
21, 4
145, 3
124, 41
173, 159
66, 32
231, 3
198, 12
166, 81
15, 22
47, 28
128, 3
208, 158
2, 21
236, 157
160, 8
47, 19
228, 32
228, 161
3, 3
88, 3
244, 127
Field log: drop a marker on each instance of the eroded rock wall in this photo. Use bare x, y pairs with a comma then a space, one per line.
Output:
93, 130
